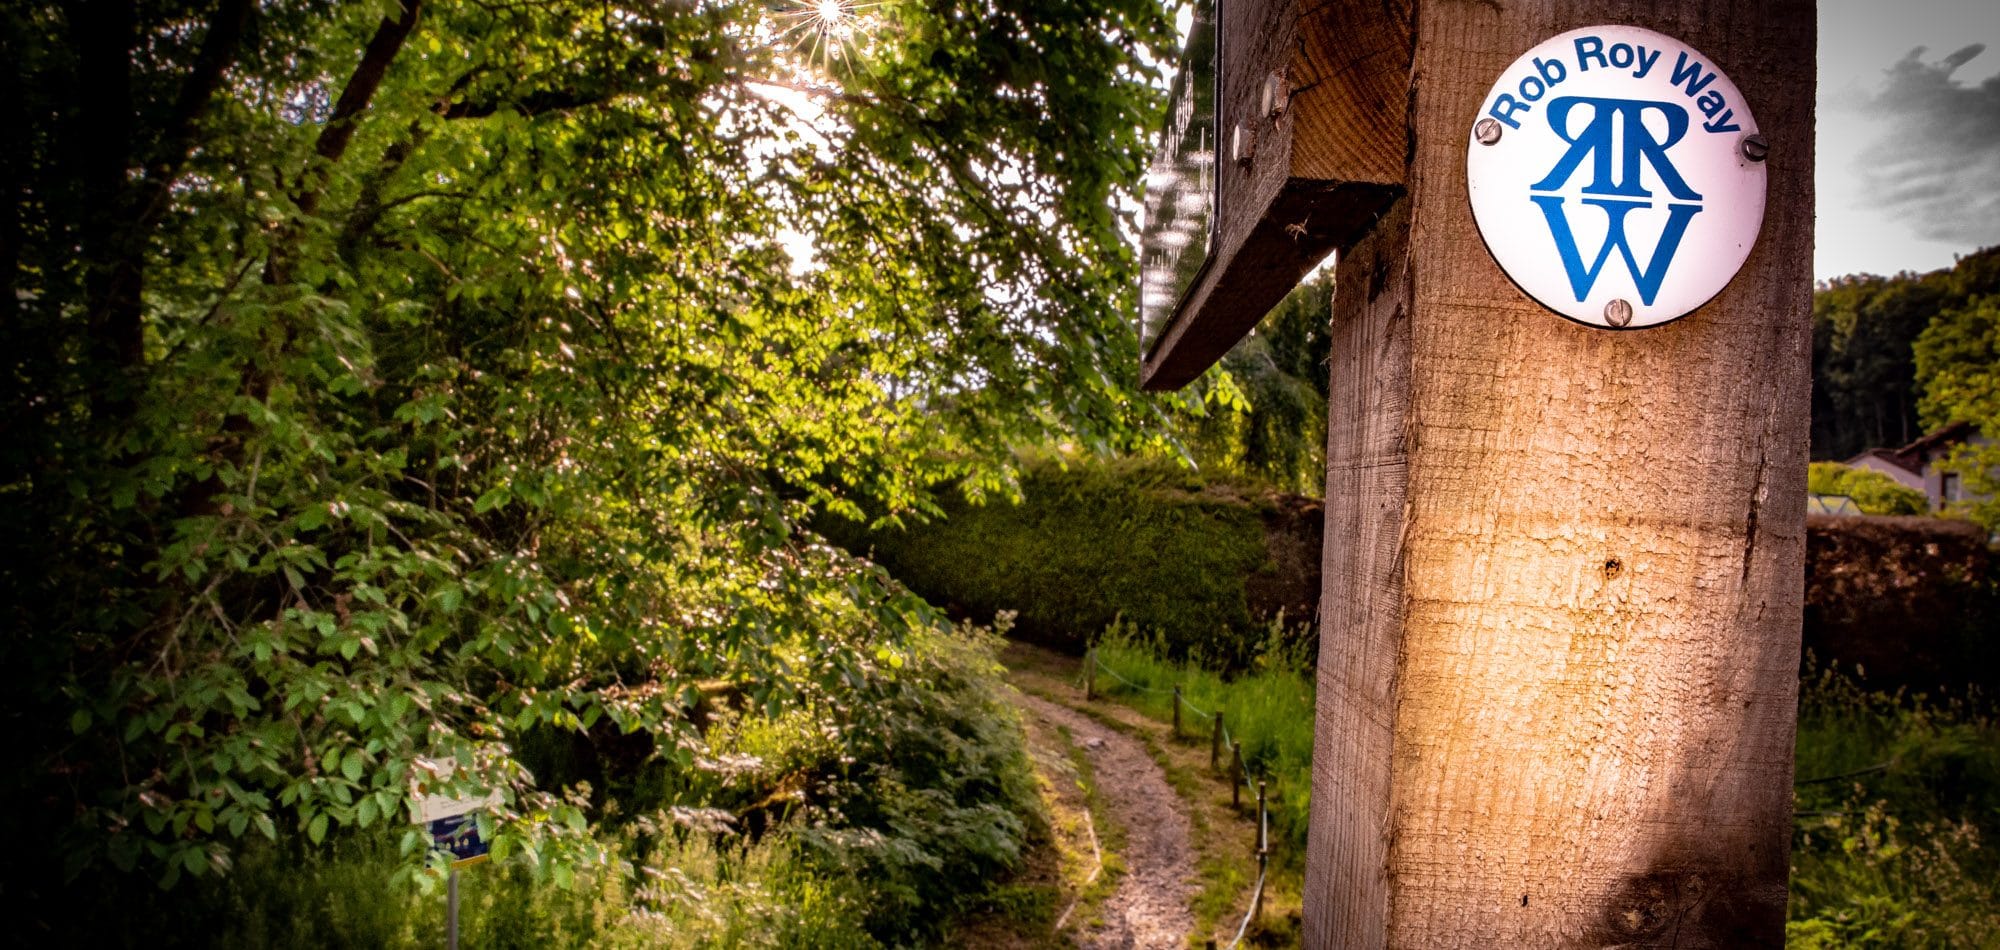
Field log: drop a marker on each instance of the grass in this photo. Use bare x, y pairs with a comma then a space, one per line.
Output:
1267, 710
1071, 863
1898, 805
1101, 880
1898, 794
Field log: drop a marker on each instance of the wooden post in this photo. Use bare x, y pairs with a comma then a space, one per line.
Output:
1215, 744
1263, 849
1261, 843
1177, 710
451, 909
1090, 674
1563, 567
1236, 775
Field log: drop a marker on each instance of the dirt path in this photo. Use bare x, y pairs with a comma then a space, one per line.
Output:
1149, 908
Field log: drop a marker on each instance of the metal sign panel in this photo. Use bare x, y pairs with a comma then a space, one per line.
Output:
453, 823
1617, 176
459, 839
1181, 183
430, 808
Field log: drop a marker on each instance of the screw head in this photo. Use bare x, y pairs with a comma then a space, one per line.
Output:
1487, 131
1755, 148
1618, 312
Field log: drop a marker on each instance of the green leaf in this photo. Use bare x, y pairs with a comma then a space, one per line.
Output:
351, 765
316, 829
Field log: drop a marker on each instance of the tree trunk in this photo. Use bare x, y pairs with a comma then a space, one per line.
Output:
1563, 576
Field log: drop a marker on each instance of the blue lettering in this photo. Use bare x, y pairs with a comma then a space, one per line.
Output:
1587, 49
1648, 278
1689, 71
1595, 143
1545, 67
1508, 103
1618, 146
1645, 63
1621, 55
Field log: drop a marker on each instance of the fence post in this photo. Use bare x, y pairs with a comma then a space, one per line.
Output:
1263, 852
1236, 781
1177, 710
1090, 673
1215, 744
1262, 844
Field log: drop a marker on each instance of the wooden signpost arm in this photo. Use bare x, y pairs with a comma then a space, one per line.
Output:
1564, 566
1311, 151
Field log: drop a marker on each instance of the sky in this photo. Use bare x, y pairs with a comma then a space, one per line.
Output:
1909, 134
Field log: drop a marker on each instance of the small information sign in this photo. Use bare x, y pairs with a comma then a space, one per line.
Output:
453, 823
459, 837
1617, 176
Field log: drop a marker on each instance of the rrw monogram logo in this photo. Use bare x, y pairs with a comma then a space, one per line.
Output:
1615, 186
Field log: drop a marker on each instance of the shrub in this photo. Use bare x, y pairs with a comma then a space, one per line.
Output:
1091, 543
1874, 492
865, 822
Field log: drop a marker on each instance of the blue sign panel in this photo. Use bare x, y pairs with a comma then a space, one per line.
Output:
459, 837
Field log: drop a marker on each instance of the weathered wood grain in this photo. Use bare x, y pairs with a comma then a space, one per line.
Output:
1589, 725
1361, 604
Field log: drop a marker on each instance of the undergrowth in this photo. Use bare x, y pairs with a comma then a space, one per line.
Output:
1268, 710
823, 838
1898, 813
1898, 794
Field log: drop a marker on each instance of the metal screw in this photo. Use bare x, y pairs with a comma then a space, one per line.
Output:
1618, 312
1487, 131
1245, 144
1755, 148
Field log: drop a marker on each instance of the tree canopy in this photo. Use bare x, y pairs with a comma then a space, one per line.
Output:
1866, 389
387, 380
1958, 364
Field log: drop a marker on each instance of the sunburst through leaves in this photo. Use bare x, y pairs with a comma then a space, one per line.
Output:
827, 32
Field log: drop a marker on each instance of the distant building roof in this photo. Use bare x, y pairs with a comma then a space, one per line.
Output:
1938, 438
1902, 458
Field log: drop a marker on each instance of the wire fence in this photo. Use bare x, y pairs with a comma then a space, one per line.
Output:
1225, 756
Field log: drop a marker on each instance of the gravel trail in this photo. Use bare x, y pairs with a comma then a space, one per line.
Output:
1149, 910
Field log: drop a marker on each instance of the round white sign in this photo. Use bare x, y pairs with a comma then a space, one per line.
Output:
1617, 176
